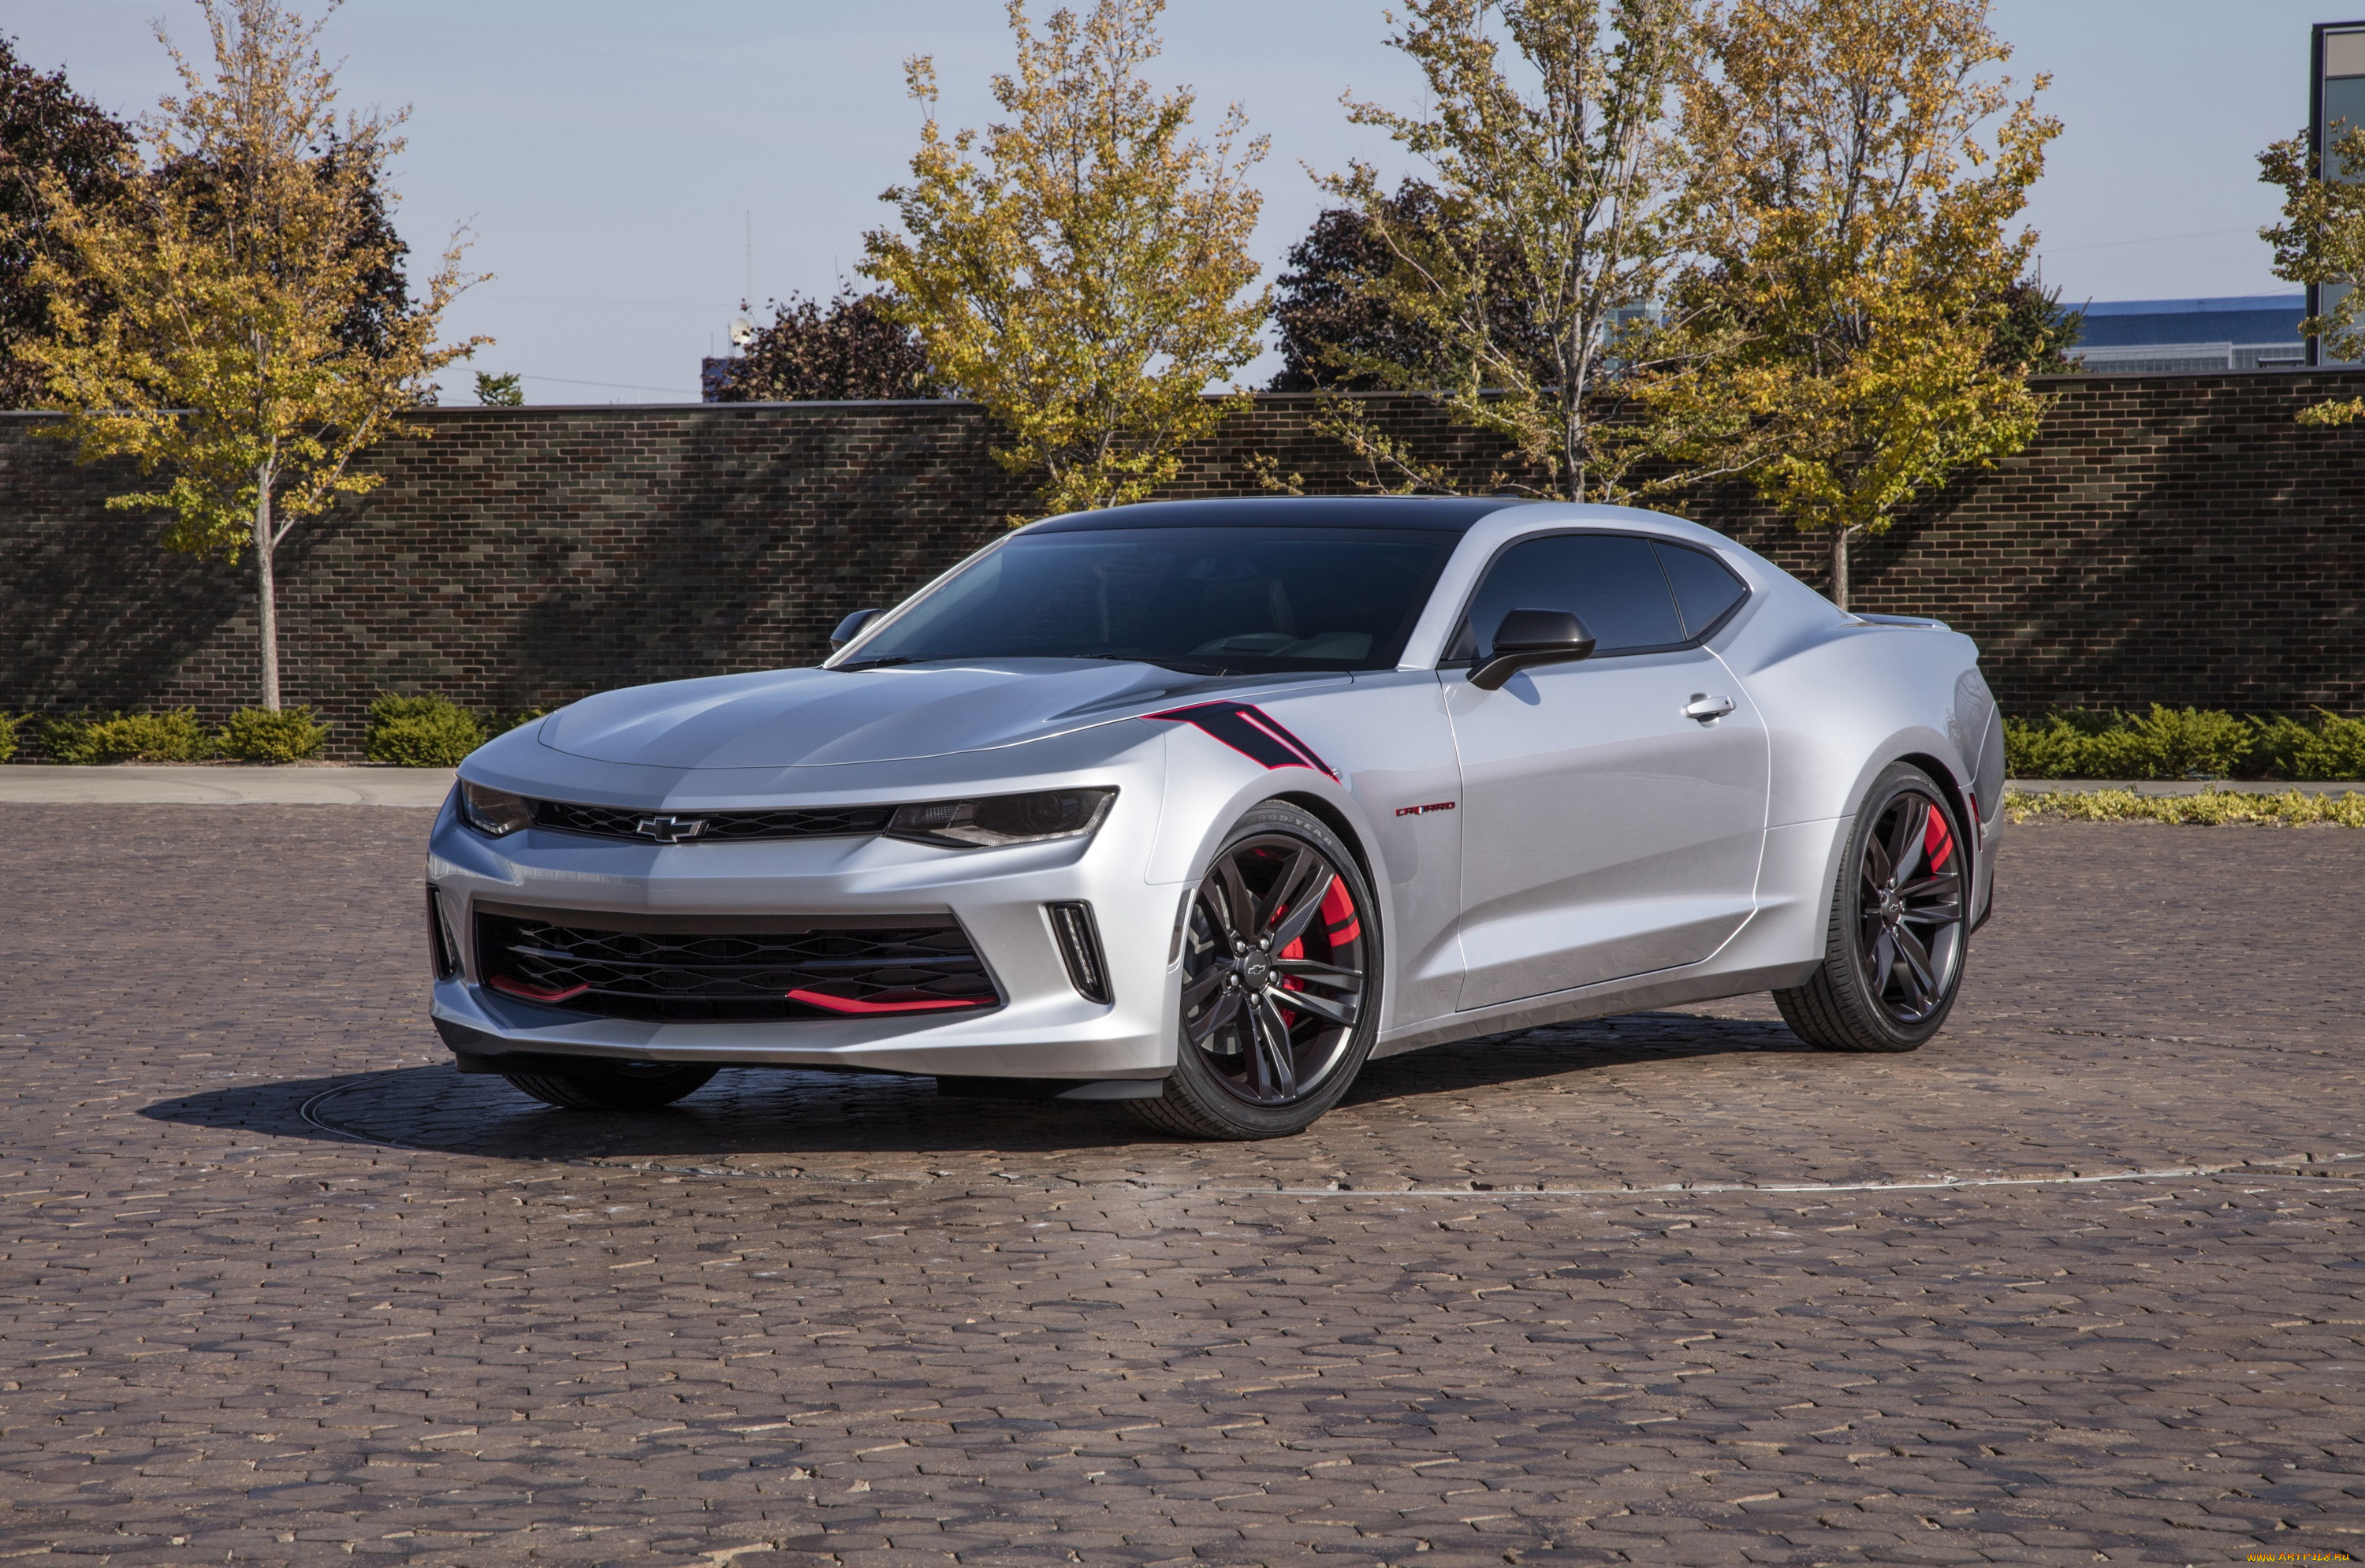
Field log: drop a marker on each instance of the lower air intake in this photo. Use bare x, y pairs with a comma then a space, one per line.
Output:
689, 969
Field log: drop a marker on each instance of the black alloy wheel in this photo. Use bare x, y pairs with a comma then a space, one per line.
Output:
594, 1084
1279, 976
1899, 931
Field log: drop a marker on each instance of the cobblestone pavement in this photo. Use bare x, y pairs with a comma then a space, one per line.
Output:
2078, 1282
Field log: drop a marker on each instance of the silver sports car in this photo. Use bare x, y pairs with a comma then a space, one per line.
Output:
1198, 805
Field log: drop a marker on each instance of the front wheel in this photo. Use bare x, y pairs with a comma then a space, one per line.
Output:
1894, 955
591, 1084
1280, 983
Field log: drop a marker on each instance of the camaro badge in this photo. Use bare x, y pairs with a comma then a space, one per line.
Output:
1253, 733
669, 829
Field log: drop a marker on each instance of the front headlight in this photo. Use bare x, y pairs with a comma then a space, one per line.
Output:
1003, 819
493, 811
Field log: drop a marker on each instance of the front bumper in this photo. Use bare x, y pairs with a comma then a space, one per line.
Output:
1045, 1029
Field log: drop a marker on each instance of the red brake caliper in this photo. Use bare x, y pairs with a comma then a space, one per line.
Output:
1338, 916
1937, 843
1339, 923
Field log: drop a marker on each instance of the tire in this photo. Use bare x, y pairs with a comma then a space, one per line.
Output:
596, 1085
1894, 955
1284, 918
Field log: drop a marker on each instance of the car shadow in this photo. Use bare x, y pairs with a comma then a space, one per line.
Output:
796, 1112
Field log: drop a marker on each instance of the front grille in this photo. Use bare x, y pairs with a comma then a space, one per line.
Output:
722, 827
692, 968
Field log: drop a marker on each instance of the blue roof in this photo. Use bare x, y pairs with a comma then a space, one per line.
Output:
2237, 319
2292, 302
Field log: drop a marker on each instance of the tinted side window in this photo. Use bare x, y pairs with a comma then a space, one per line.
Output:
1704, 587
1611, 583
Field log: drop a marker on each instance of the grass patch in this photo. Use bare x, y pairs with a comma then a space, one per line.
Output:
2209, 808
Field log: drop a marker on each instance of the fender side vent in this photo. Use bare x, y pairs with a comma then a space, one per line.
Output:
1080, 946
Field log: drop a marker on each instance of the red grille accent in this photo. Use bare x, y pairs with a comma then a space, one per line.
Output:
886, 1002
538, 992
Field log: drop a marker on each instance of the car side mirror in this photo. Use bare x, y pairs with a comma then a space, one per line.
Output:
1529, 637
851, 627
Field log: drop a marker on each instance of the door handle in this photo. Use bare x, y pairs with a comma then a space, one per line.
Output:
1706, 709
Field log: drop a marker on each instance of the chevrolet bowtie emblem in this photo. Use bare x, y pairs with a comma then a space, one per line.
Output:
670, 829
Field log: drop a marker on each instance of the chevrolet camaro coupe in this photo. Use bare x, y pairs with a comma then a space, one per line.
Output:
1199, 805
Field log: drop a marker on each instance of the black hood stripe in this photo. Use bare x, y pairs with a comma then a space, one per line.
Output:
1253, 733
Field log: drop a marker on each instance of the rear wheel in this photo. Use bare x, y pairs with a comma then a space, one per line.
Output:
594, 1085
1894, 955
1280, 983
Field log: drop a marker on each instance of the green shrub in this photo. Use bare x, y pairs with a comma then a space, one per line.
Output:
9, 734
2167, 743
2338, 751
2055, 748
421, 732
2330, 747
258, 734
175, 736
2177, 743
2075, 744
503, 719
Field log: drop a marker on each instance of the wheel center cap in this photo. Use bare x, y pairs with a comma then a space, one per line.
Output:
1254, 969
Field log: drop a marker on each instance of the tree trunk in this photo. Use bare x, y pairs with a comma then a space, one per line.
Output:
1572, 435
1840, 565
266, 595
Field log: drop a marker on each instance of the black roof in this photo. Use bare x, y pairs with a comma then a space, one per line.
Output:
1440, 514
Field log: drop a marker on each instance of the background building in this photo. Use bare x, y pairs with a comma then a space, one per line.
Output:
2256, 331
2336, 98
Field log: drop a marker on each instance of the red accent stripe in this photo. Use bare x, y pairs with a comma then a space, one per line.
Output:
535, 993
849, 1004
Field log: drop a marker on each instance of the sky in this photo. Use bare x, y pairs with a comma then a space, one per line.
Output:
628, 172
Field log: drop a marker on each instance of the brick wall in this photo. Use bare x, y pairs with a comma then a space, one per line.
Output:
2170, 538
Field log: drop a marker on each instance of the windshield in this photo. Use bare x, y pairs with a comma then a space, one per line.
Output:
1248, 601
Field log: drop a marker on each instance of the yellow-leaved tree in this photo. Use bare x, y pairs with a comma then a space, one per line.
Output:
1524, 294
223, 318
2322, 241
1082, 269
1855, 227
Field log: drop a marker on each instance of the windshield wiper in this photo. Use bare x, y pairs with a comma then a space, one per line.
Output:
877, 664
1188, 666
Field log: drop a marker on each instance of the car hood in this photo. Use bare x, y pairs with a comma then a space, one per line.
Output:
821, 717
